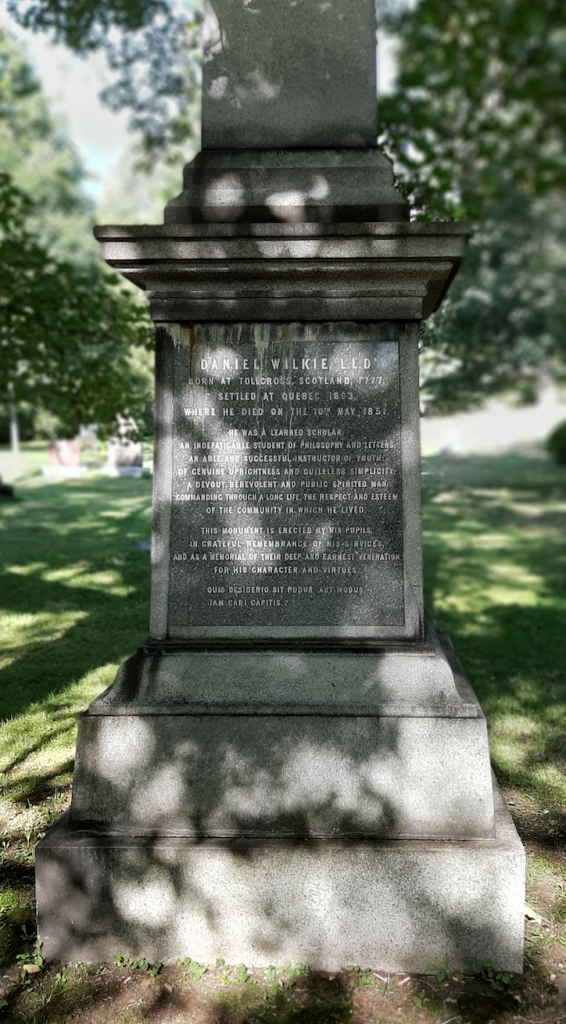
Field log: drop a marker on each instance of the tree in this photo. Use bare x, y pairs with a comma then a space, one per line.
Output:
502, 327
154, 50
476, 129
35, 153
479, 106
69, 334
73, 339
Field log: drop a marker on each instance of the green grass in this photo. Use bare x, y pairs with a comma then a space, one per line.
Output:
74, 598
74, 603
495, 579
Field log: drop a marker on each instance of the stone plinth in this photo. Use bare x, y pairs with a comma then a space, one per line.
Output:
313, 186
290, 716
226, 745
288, 237
390, 904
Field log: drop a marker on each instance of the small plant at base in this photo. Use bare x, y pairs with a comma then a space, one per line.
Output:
223, 969
298, 971
241, 973
59, 983
362, 977
141, 964
499, 980
270, 974
196, 970
32, 962
442, 972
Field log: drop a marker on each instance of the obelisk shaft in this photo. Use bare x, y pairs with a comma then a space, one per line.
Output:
280, 74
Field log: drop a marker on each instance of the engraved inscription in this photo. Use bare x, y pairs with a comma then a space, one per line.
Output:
286, 496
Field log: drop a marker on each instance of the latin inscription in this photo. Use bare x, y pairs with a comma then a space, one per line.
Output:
286, 497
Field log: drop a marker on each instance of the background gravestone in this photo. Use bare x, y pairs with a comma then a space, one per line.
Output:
291, 689
125, 458
64, 460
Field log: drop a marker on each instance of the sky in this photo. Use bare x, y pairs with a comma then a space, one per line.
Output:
72, 85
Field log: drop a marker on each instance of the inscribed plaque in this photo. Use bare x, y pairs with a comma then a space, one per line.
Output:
287, 484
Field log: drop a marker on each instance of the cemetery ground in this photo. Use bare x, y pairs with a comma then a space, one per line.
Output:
74, 596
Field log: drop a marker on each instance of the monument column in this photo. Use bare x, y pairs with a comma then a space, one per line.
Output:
293, 724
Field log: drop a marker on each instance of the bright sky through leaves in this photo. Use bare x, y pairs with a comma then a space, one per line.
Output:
72, 85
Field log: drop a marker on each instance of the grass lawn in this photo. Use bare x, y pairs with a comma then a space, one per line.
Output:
74, 603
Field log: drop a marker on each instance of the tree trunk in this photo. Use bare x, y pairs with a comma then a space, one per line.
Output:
14, 425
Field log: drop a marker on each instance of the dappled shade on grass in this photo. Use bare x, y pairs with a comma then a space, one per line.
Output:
73, 603
495, 579
74, 591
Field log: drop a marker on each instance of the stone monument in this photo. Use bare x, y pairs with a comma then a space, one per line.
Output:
293, 765
124, 458
64, 460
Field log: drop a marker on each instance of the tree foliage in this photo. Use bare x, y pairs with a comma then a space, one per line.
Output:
158, 81
73, 340
479, 106
35, 153
68, 333
476, 129
154, 51
84, 25
503, 323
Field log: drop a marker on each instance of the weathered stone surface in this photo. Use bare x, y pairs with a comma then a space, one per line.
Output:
288, 186
390, 680
279, 74
268, 764
287, 459
394, 905
300, 776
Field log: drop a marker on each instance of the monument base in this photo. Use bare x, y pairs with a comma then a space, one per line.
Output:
392, 744
394, 905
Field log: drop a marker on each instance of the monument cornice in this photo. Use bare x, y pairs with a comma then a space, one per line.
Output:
280, 271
